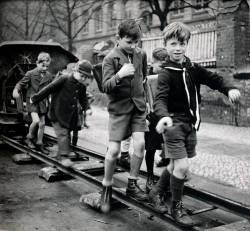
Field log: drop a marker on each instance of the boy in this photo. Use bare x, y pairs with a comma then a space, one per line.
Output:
67, 91
153, 140
35, 80
177, 106
124, 70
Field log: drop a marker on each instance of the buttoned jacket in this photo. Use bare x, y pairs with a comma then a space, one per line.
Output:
66, 93
129, 91
34, 81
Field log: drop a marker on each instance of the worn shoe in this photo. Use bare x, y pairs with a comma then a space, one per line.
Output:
157, 201
30, 143
163, 162
41, 148
180, 216
67, 163
106, 199
133, 190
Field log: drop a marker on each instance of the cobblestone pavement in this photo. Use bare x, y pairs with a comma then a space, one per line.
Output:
223, 152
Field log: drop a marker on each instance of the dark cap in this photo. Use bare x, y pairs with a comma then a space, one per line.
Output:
84, 67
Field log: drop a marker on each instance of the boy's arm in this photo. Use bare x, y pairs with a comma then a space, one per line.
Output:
214, 81
161, 97
21, 84
46, 91
83, 99
110, 79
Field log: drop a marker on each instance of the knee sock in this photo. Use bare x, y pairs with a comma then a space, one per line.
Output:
176, 186
149, 158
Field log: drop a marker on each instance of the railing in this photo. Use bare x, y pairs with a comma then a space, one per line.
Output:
201, 47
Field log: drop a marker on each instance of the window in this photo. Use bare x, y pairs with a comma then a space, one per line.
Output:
111, 16
147, 18
179, 6
98, 20
85, 20
200, 4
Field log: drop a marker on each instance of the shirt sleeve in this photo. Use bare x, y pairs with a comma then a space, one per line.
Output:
162, 95
50, 88
25, 81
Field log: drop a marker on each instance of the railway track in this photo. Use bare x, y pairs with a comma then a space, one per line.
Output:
210, 211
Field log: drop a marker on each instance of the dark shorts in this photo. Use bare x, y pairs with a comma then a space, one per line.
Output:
180, 139
122, 126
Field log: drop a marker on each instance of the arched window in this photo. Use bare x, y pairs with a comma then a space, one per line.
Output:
98, 19
147, 18
111, 15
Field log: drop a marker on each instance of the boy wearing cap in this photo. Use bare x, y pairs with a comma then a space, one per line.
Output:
35, 80
124, 70
67, 91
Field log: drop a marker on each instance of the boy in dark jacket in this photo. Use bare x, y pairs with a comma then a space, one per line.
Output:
177, 106
124, 70
35, 80
66, 92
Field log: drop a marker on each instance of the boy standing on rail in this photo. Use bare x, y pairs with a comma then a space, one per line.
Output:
35, 80
67, 91
124, 70
177, 106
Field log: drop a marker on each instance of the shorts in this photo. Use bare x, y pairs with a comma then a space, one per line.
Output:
122, 126
180, 139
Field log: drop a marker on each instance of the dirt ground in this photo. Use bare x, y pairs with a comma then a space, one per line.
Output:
29, 203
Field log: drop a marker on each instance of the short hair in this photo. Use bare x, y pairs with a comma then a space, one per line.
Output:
177, 30
43, 56
159, 54
129, 28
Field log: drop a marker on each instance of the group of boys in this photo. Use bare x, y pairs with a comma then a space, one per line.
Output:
176, 113
175, 116
68, 96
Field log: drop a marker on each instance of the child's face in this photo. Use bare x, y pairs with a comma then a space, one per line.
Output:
156, 66
43, 65
128, 44
82, 78
176, 49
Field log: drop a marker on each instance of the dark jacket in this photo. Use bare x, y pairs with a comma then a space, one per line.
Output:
66, 92
130, 91
34, 82
171, 95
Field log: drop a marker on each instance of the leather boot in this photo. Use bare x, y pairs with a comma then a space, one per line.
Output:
157, 201
41, 148
106, 199
133, 190
179, 214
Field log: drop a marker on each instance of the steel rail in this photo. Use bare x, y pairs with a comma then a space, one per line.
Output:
207, 197
117, 194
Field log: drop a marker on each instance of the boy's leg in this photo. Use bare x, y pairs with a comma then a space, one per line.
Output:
75, 137
109, 168
124, 160
177, 181
63, 144
40, 133
32, 129
133, 189
149, 158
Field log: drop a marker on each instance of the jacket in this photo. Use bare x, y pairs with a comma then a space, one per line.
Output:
34, 82
66, 93
178, 89
129, 92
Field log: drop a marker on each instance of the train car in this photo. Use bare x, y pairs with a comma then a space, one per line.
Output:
16, 58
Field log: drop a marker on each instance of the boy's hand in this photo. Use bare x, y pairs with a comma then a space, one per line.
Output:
15, 93
31, 101
234, 95
126, 70
163, 124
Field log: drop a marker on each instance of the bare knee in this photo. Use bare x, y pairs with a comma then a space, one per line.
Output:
180, 168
